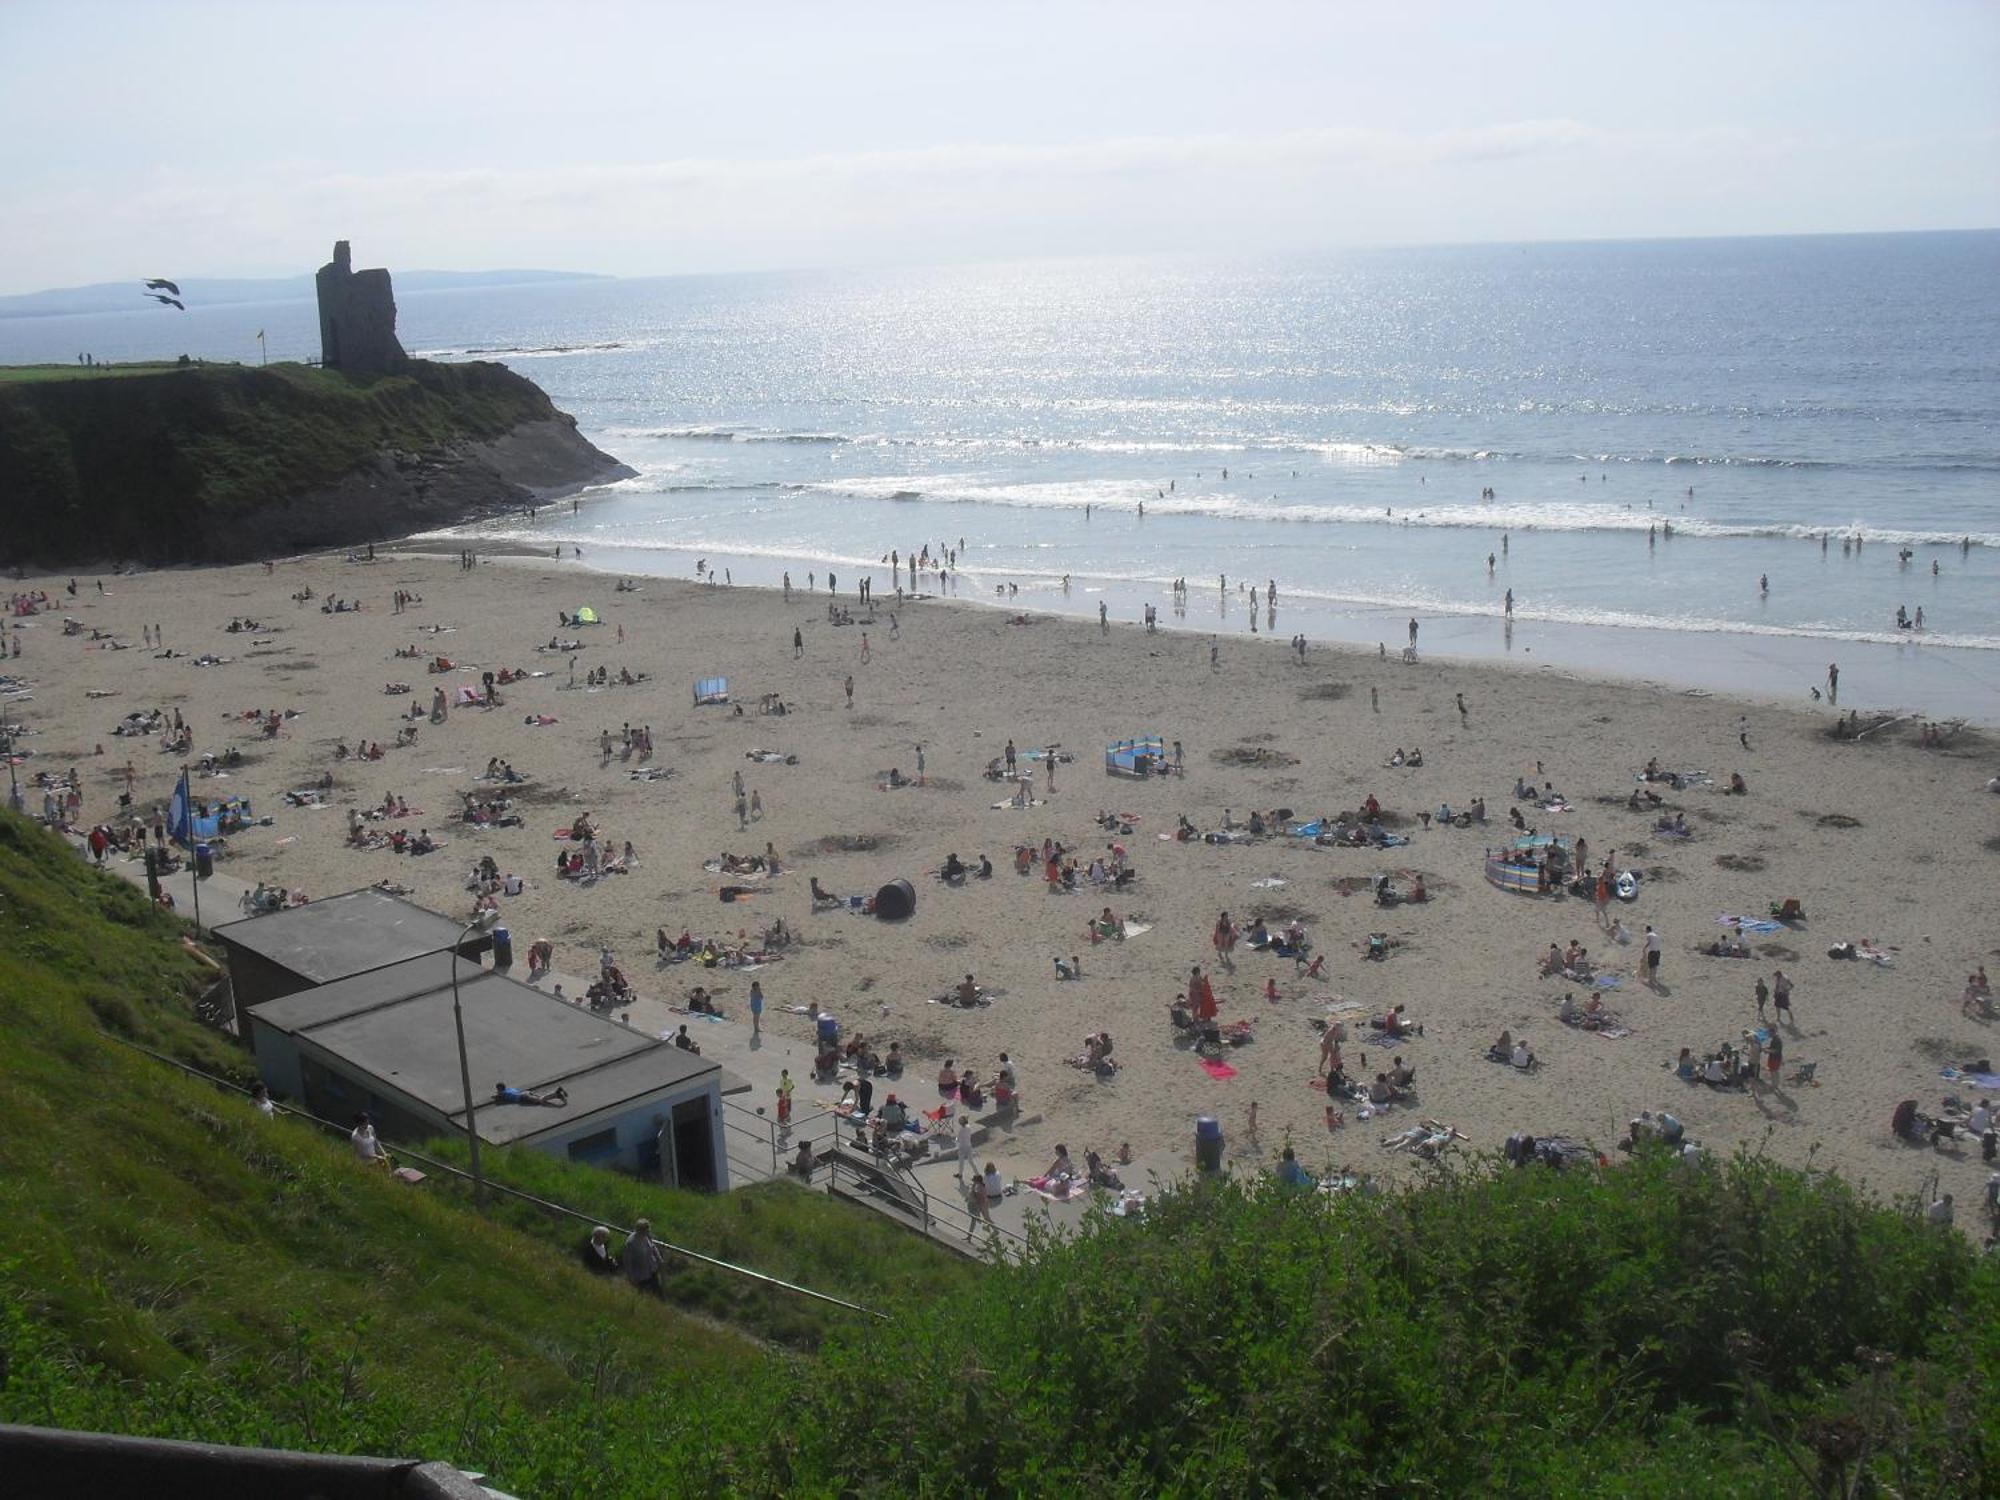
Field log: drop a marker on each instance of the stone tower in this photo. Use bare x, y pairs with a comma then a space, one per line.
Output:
357, 318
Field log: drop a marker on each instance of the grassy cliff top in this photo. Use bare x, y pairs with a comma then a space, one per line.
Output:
153, 462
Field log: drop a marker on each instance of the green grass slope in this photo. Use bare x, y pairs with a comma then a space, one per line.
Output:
159, 465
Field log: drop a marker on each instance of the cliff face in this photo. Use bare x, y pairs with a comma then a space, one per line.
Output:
230, 463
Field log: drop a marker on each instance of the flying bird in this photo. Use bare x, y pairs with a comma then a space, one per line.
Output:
164, 298
159, 282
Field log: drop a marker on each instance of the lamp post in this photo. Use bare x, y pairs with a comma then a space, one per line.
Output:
465, 1073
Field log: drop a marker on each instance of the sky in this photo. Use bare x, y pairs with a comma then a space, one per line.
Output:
148, 137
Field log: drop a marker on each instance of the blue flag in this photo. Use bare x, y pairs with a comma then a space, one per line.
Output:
180, 824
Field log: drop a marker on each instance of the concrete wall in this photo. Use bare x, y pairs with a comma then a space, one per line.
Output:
636, 1127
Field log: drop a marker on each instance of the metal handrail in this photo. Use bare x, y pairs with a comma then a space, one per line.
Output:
513, 1192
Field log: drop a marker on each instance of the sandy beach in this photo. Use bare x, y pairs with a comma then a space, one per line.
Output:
1881, 840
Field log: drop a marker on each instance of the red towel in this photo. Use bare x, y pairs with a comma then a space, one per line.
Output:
1216, 1069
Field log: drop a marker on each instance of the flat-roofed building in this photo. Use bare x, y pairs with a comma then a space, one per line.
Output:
383, 1041
303, 946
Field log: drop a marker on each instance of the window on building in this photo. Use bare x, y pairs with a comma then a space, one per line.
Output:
594, 1147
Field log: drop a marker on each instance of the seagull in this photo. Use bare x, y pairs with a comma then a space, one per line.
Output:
162, 297
159, 282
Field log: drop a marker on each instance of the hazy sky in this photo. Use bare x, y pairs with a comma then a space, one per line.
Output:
149, 137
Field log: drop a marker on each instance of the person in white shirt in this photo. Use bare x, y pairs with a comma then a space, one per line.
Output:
1523, 1058
964, 1145
1981, 1120
995, 1185
366, 1147
261, 1097
1652, 956
1940, 1211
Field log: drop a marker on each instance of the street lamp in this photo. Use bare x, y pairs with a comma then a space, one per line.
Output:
465, 1072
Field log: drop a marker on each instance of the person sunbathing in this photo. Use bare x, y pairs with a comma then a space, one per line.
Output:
821, 896
555, 1099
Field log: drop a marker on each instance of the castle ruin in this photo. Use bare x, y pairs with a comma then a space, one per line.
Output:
357, 318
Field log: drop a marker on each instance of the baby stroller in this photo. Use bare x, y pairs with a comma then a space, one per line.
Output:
1204, 1036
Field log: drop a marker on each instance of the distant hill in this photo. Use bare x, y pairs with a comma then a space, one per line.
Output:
124, 296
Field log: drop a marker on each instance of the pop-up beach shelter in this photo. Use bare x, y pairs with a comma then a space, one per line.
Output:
711, 690
584, 615
1136, 757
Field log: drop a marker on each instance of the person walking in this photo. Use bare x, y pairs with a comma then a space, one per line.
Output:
1781, 995
965, 1146
642, 1259
1743, 730
785, 1087
756, 1008
1652, 957
798, 643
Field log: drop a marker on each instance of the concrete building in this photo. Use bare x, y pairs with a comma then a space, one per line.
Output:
383, 1041
305, 946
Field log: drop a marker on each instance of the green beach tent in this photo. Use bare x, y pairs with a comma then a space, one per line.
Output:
585, 616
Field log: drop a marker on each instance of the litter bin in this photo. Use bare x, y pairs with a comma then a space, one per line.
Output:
1208, 1143
503, 948
204, 862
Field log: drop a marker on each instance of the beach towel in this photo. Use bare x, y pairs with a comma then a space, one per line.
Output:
1134, 929
1270, 883
1309, 830
1976, 1080
1215, 1068
1749, 924
1614, 1032
1606, 982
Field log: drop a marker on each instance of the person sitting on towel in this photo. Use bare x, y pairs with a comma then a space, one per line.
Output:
1381, 1091
1567, 1012
967, 992
894, 1115
1503, 1049
1401, 1075
1522, 1058
954, 868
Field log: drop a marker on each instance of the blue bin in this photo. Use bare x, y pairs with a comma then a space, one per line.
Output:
1208, 1143
829, 1031
503, 948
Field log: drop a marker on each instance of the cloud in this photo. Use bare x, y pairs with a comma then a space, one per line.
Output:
1519, 179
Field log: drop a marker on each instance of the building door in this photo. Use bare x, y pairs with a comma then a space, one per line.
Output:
691, 1163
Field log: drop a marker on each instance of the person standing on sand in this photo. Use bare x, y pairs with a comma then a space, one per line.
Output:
850, 690
1652, 957
756, 1008
1781, 996
1009, 752
864, 647
1833, 682
798, 643
1050, 756
1743, 730
785, 1087
1413, 630
1214, 656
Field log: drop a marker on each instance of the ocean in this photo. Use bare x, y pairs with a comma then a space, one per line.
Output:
1667, 450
